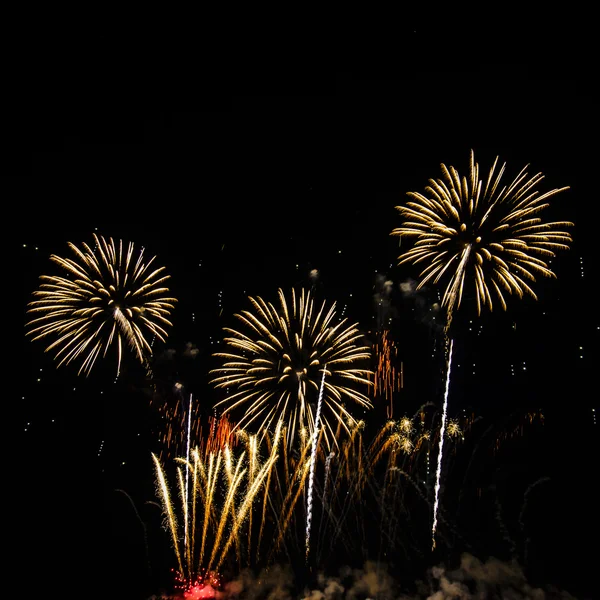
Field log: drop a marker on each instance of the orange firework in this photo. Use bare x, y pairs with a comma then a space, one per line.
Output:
220, 434
388, 378
174, 429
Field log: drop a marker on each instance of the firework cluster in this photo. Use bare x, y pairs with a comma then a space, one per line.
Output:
288, 465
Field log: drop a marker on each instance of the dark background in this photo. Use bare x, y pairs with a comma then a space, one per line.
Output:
248, 186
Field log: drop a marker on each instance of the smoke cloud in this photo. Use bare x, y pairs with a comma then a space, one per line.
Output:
472, 580
191, 351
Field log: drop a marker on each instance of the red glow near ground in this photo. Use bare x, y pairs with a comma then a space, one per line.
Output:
201, 587
200, 591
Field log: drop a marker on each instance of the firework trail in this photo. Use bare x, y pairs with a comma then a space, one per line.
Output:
294, 472
275, 358
313, 460
107, 297
438, 473
168, 508
187, 471
488, 233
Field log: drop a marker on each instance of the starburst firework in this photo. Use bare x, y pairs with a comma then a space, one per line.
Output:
489, 232
277, 359
108, 296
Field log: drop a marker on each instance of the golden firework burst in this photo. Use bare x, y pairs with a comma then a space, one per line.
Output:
489, 232
276, 361
108, 296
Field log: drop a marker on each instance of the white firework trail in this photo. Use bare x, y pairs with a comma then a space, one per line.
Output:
441, 449
187, 470
313, 460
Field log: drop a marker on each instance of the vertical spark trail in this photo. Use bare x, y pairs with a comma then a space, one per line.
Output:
168, 508
187, 470
313, 459
441, 448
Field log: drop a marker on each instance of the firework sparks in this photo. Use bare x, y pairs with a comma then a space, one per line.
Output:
453, 430
227, 489
387, 378
489, 233
313, 460
204, 586
187, 471
438, 473
108, 296
275, 360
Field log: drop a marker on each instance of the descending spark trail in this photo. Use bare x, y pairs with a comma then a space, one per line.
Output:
442, 433
187, 471
313, 459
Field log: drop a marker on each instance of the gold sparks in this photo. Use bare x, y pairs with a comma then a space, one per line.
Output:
108, 296
485, 231
275, 363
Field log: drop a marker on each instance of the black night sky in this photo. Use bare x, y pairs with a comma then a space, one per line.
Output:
247, 190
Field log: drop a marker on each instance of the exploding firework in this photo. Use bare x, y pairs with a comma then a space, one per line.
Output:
108, 296
276, 360
488, 233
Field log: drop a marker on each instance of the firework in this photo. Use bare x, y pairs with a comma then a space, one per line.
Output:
313, 460
222, 494
387, 378
487, 232
274, 363
108, 296
441, 448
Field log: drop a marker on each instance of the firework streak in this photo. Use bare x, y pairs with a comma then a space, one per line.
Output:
313, 460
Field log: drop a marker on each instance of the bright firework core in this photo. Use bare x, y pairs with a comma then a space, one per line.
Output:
275, 363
